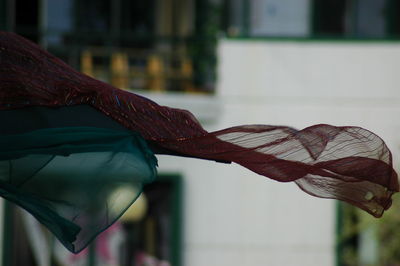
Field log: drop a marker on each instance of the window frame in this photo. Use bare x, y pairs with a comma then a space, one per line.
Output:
244, 32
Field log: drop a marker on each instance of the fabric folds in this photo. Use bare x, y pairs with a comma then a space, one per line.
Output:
51, 169
76, 181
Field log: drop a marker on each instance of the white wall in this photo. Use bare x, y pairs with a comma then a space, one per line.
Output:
304, 83
234, 217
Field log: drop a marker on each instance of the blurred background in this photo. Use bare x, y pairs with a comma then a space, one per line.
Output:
230, 62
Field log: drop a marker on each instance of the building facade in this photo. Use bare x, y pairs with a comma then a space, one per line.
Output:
232, 62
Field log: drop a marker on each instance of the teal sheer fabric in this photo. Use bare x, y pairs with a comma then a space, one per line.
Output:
75, 180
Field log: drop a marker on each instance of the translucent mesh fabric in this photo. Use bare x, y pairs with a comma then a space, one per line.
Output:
76, 180
346, 163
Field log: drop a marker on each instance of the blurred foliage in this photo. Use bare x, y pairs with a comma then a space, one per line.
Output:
386, 235
203, 48
389, 235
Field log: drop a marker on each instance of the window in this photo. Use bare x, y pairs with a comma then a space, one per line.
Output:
279, 18
350, 18
339, 19
267, 18
393, 22
150, 45
329, 17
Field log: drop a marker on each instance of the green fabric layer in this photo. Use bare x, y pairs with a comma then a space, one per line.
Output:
76, 181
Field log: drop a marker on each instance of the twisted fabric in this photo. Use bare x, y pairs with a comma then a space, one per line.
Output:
346, 163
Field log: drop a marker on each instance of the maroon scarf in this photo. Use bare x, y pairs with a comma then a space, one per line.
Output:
347, 163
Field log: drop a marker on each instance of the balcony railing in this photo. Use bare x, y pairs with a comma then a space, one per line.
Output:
140, 69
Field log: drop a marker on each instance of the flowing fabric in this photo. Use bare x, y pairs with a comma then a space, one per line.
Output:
346, 163
76, 181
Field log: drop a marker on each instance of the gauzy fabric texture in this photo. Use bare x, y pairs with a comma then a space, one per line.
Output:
75, 180
346, 163
73, 168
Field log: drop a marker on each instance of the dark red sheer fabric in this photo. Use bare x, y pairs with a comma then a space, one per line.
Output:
347, 163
